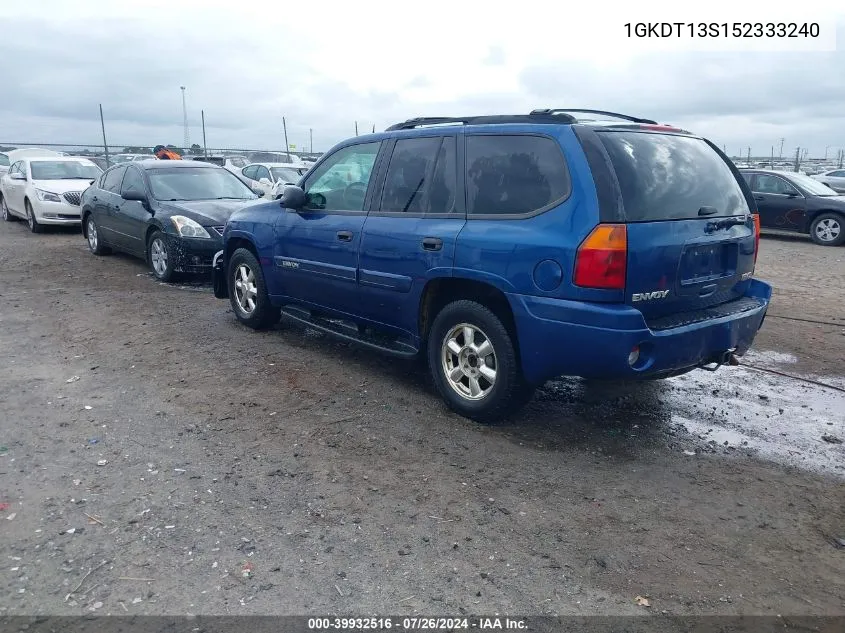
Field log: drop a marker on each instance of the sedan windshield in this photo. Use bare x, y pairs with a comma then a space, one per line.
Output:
63, 170
284, 174
811, 185
197, 183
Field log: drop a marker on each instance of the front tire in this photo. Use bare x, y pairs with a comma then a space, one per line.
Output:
828, 229
160, 257
95, 244
7, 215
30, 218
248, 291
474, 363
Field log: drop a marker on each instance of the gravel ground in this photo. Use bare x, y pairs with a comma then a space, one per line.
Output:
158, 458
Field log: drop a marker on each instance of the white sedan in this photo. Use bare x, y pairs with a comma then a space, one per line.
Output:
46, 190
272, 178
834, 179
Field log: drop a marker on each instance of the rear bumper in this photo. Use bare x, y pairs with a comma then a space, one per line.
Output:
570, 338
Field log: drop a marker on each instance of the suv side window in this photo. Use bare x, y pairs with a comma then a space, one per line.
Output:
112, 178
133, 181
421, 177
766, 183
514, 174
340, 182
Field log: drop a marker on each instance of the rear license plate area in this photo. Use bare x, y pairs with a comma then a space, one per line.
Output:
707, 262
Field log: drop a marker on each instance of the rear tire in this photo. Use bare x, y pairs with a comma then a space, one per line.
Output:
7, 215
248, 292
30, 218
828, 229
474, 364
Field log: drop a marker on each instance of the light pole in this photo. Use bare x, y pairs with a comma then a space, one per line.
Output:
187, 139
827, 147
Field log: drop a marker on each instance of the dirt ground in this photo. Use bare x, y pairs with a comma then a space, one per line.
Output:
158, 458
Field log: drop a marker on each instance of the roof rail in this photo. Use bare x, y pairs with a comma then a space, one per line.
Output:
537, 118
615, 115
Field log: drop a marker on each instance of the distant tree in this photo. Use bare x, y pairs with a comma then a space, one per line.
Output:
196, 149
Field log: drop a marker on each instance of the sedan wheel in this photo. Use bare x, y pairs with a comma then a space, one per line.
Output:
828, 229
160, 257
7, 215
30, 219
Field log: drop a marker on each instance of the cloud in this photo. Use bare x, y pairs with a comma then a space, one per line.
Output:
335, 64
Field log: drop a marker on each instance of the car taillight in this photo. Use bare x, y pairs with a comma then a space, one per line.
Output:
602, 258
756, 217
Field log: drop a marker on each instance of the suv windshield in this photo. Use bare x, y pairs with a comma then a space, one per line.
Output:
63, 170
671, 177
197, 183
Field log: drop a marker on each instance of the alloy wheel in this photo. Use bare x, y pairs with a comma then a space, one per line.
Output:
828, 230
469, 361
245, 289
158, 256
92, 235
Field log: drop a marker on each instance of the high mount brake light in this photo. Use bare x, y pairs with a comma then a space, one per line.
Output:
601, 260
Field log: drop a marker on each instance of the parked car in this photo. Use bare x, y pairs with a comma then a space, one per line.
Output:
99, 161
46, 190
9, 157
509, 250
835, 179
271, 178
171, 213
797, 203
232, 163
128, 158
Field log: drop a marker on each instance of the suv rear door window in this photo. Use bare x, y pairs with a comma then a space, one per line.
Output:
514, 174
671, 177
421, 177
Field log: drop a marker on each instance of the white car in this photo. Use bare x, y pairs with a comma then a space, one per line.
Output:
7, 158
835, 179
46, 190
233, 163
128, 158
272, 178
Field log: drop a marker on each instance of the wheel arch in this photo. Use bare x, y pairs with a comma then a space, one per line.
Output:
812, 215
440, 291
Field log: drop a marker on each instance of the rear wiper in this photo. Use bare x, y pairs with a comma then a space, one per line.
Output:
726, 222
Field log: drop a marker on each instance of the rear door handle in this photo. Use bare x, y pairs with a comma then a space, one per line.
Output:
344, 236
432, 244
759, 198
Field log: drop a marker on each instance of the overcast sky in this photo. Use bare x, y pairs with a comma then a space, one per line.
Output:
327, 64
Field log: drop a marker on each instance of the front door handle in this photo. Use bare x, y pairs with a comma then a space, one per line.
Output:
344, 236
432, 244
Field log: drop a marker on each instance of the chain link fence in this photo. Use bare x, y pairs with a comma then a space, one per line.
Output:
111, 154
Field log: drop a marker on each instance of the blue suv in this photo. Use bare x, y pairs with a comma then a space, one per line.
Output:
508, 250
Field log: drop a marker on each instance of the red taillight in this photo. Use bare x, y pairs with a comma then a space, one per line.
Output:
602, 258
756, 217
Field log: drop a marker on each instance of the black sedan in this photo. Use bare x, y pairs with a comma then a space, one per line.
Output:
171, 213
793, 202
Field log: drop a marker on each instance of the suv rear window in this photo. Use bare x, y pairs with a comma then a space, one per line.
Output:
514, 174
671, 177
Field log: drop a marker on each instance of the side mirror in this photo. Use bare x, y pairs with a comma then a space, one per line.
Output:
17, 176
293, 198
133, 194
258, 192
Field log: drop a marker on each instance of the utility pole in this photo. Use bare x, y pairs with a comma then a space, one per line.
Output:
356, 128
204, 146
187, 138
827, 147
106, 145
841, 157
311, 139
374, 128
780, 156
287, 147
749, 157
797, 158
773, 156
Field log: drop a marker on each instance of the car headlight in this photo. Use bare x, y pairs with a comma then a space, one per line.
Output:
186, 227
47, 196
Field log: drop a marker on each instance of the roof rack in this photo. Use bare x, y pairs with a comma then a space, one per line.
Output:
615, 115
535, 117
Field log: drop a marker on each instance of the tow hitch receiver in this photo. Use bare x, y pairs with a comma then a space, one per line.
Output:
725, 358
